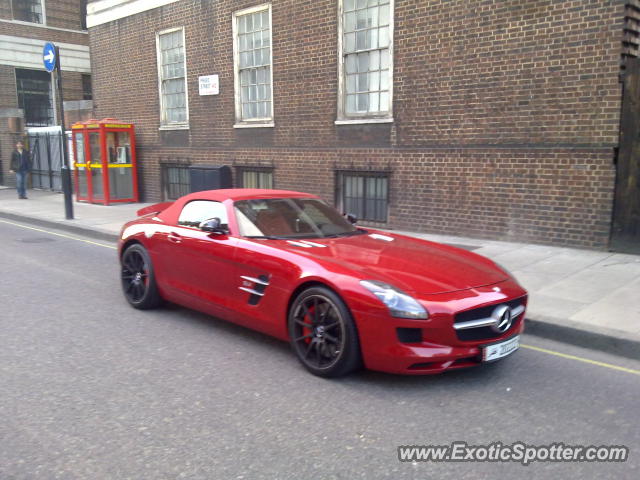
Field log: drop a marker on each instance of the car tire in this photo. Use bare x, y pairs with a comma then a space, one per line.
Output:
138, 278
323, 334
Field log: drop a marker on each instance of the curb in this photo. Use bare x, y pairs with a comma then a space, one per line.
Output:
78, 229
573, 333
596, 338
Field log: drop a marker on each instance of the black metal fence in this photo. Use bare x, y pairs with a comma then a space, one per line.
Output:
46, 157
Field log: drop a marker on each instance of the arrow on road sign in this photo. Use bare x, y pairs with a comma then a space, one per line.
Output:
49, 56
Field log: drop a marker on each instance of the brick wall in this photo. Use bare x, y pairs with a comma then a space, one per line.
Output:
8, 101
5, 9
506, 113
8, 96
72, 86
44, 34
59, 13
71, 83
8, 139
64, 14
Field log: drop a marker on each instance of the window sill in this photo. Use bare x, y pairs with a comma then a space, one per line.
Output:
357, 121
174, 127
255, 125
42, 25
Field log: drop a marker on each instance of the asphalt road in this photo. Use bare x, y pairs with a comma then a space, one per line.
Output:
93, 389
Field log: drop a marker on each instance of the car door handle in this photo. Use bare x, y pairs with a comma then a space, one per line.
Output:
174, 238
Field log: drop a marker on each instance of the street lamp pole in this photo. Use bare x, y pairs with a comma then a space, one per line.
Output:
65, 171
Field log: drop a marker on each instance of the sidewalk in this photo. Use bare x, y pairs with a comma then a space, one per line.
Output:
47, 208
584, 297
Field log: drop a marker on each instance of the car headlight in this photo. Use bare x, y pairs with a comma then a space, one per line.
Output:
399, 303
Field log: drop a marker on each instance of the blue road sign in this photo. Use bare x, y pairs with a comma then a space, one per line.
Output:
49, 56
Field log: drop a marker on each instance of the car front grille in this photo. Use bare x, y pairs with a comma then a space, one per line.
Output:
483, 333
486, 332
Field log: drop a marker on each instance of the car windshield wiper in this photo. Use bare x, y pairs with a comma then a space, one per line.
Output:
359, 231
268, 237
302, 237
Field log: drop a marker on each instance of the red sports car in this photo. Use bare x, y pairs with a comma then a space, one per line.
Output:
291, 266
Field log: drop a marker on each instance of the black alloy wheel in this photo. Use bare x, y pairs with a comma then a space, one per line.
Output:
138, 280
323, 334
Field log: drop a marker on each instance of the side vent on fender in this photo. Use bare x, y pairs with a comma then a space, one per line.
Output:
255, 287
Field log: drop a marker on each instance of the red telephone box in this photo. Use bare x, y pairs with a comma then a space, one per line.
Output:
104, 153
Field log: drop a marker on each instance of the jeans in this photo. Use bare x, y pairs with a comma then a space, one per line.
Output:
21, 181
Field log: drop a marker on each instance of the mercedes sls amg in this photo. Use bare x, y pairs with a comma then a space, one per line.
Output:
289, 265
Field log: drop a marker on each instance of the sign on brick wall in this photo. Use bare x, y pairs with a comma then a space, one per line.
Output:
209, 85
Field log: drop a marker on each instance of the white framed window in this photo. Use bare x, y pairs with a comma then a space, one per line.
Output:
252, 60
365, 63
31, 11
255, 177
172, 79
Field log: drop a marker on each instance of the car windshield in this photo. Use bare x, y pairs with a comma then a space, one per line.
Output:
290, 218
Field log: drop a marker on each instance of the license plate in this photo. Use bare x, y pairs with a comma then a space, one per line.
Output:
499, 350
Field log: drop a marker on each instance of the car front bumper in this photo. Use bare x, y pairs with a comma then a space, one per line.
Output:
419, 347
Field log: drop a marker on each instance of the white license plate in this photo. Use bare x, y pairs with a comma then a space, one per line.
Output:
499, 350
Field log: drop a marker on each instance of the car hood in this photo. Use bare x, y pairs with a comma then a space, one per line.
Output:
414, 265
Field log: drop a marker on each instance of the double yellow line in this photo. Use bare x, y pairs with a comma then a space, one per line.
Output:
581, 359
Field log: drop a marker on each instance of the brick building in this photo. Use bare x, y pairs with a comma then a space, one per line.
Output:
27, 97
491, 118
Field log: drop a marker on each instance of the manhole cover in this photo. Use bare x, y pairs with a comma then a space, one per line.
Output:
37, 240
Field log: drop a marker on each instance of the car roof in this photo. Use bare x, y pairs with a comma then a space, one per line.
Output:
244, 194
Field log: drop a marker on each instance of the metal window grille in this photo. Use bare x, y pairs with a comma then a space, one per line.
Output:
172, 77
176, 181
34, 97
27, 10
366, 195
253, 42
366, 56
87, 91
256, 177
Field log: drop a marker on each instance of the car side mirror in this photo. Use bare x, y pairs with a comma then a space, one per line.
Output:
351, 218
212, 225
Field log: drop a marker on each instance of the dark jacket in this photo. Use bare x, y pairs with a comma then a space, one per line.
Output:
20, 162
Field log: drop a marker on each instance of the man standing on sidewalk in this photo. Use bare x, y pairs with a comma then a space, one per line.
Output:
21, 166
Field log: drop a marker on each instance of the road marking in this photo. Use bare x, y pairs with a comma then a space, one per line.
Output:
530, 347
581, 359
70, 237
